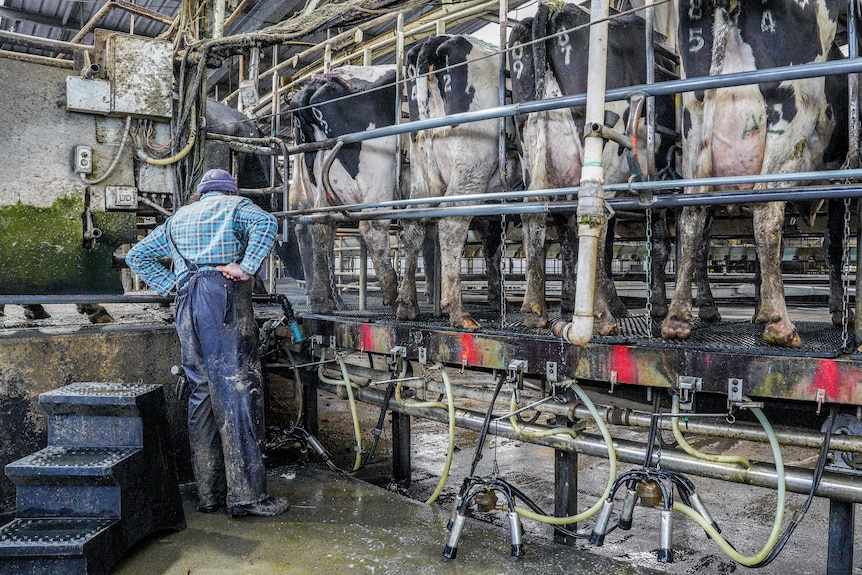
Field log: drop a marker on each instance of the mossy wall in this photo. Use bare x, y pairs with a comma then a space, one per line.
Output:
42, 201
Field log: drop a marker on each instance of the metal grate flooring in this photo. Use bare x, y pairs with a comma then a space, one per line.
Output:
819, 339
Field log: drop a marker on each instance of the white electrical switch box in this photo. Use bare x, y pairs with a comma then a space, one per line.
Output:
121, 198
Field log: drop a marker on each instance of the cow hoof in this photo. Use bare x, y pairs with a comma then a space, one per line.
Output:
837, 319
322, 307
658, 311
465, 322
675, 329
533, 321
605, 328
618, 308
782, 334
36, 312
709, 313
405, 312
101, 316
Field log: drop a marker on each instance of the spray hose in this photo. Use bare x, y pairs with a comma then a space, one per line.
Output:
348, 385
612, 472
450, 407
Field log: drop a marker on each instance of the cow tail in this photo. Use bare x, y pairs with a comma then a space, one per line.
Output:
540, 49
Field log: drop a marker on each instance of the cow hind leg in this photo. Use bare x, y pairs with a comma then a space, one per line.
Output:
705, 302
568, 238
615, 304
453, 235
779, 330
376, 236
430, 258
677, 324
412, 237
659, 255
534, 253
321, 294
491, 230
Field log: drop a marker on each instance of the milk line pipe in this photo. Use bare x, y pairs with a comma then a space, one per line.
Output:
834, 175
831, 67
740, 430
834, 485
668, 201
627, 417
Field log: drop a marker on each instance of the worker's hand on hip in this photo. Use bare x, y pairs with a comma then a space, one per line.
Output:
232, 271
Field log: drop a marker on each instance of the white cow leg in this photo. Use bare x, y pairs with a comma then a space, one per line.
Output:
453, 237
533, 226
376, 236
411, 238
677, 324
779, 330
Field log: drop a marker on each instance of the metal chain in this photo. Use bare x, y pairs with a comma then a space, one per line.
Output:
330, 265
845, 277
503, 273
648, 266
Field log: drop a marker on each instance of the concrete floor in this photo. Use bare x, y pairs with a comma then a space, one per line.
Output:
337, 524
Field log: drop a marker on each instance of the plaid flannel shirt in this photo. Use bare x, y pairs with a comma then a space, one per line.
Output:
217, 229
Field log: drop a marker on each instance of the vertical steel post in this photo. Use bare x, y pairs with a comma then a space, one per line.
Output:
840, 546
309, 400
565, 491
363, 275
400, 447
853, 152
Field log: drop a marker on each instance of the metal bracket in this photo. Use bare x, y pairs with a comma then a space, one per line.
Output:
396, 358
820, 398
316, 341
423, 356
551, 371
735, 399
516, 372
612, 379
687, 386
332, 342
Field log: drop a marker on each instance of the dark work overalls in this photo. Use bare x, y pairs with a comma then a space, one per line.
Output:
219, 341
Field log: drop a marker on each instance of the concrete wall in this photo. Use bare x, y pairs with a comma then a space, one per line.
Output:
42, 199
33, 361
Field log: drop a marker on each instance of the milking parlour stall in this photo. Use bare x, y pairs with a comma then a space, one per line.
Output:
557, 286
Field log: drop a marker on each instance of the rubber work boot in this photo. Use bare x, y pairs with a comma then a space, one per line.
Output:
212, 506
265, 508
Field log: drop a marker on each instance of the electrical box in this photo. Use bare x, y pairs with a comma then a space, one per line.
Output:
141, 72
92, 96
136, 79
121, 198
83, 160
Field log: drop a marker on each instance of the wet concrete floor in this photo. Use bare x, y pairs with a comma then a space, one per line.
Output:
337, 524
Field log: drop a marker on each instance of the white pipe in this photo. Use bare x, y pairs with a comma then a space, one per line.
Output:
218, 18
591, 195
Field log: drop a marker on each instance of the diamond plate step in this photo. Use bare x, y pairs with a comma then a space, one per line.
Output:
57, 546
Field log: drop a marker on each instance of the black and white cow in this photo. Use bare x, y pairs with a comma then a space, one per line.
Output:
757, 129
347, 100
448, 75
547, 59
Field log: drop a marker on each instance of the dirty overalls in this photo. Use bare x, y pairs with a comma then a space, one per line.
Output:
218, 335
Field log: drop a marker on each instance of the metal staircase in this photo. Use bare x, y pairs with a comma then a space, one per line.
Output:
106, 479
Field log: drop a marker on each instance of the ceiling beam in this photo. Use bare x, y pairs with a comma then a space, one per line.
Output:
34, 18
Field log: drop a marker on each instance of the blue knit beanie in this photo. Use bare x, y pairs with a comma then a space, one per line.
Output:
217, 181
